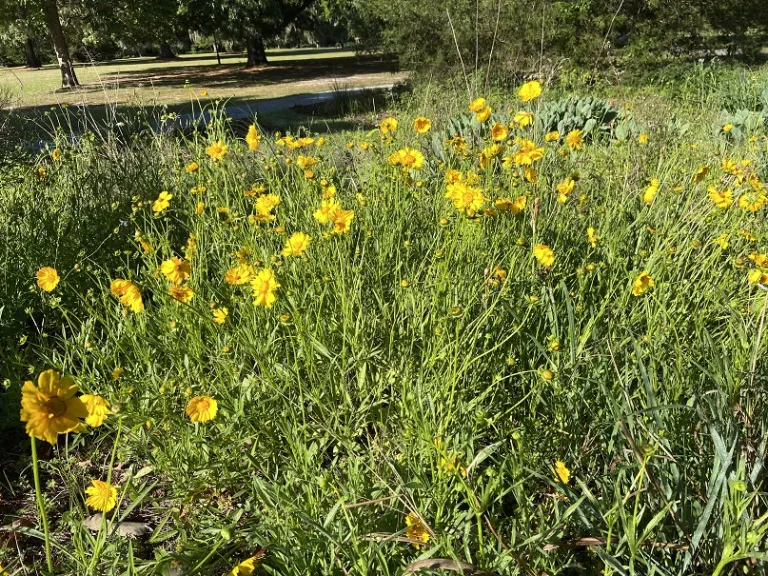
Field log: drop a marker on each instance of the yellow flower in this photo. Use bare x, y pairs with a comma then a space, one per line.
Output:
239, 275
191, 167
531, 175
416, 530
296, 244
342, 220
202, 408
305, 162
546, 374
452, 176
528, 153
564, 188
729, 166
643, 138
128, 294
757, 276
217, 150
592, 237
175, 270
98, 410
203, 93
407, 158
465, 198
56, 155
477, 105
182, 294
523, 119
162, 202
760, 260
220, 315
553, 136
642, 283
727, 128
722, 241
722, 199
47, 278
752, 201
247, 567
544, 255
253, 138
51, 408
508, 205
264, 287
574, 140
199, 208
323, 214
388, 125
651, 191
264, 206
422, 125
499, 132
489, 153
529, 91
102, 496
700, 174
562, 474
116, 373
484, 114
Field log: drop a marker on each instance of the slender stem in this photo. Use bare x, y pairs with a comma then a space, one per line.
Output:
41, 506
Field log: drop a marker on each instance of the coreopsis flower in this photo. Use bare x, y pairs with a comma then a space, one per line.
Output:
217, 150
296, 244
651, 191
529, 91
388, 125
642, 139
530, 175
722, 198
183, 294
727, 128
102, 496
264, 206
56, 154
757, 276
422, 125
306, 162
752, 201
255, 190
192, 167
526, 154
564, 188
574, 140
730, 166
760, 260
642, 283
466, 198
499, 132
51, 408
484, 114
478, 105
47, 279
490, 153
253, 138
128, 294
592, 237
553, 136
700, 174
220, 315
323, 214
162, 202
562, 474
407, 158
175, 270
544, 255
416, 531
239, 275
515, 206
202, 408
98, 409
452, 176
264, 286
523, 119
199, 208
722, 241
247, 567
342, 220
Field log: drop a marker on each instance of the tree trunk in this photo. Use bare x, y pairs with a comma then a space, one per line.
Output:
30, 55
257, 54
53, 22
186, 42
166, 53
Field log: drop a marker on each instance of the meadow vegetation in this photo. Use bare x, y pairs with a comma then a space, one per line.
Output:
509, 330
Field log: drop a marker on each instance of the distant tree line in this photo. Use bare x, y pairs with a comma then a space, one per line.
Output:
423, 33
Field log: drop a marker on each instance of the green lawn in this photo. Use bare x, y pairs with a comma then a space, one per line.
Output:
147, 81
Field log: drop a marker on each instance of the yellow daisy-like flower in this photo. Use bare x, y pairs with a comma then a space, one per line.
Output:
527, 153
305, 162
642, 283
388, 125
296, 244
192, 167
182, 294
416, 530
752, 201
51, 408
642, 139
484, 114
202, 408
199, 208
162, 202
523, 119
98, 410
544, 255
562, 474
102, 496
465, 198
478, 105
651, 191
253, 138
407, 158
217, 150
175, 270
529, 91
247, 567
757, 276
264, 286
56, 155
700, 174
722, 198
553, 136
47, 279
592, 238
508, 205
422, 125
342, 220
564, 188
220, 315
239, 275
574, 140
499, 132
128, 294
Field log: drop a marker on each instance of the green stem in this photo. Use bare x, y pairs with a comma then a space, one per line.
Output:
41, 506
